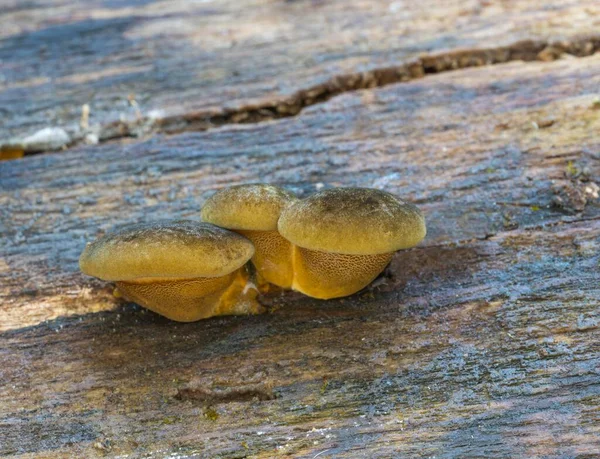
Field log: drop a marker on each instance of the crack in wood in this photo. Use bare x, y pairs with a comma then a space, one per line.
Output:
527, 51
260, 392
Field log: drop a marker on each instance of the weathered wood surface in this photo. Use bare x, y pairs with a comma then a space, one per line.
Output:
143, 65
482, 342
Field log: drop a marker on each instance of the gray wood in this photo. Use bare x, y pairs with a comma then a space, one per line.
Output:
481, 342
143, 66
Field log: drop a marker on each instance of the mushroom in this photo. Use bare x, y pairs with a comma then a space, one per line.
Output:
183, 270
343, 238
253, 210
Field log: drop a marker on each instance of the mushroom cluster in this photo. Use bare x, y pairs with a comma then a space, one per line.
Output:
331, 244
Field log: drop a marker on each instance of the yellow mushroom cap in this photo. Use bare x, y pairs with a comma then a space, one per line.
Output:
354, 221
168, 249
254, 206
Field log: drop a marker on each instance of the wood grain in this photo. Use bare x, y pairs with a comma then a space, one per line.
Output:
144, 65
481, 342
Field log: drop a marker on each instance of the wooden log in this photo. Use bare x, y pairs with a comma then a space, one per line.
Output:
86, 72
481, 342
483, 350
469, 150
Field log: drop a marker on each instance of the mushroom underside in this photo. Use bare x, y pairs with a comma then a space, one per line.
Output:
188, 300
328, 275
272, 257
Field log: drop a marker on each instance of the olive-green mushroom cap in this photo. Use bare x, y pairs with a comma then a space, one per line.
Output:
254, 206
354, 221
180, 249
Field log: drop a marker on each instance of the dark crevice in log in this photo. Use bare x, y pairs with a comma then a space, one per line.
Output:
526, 51
260, 392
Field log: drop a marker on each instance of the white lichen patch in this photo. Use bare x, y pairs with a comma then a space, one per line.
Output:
50, 138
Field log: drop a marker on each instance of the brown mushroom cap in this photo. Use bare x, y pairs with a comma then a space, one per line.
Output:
181, 249
354, 221
247, 207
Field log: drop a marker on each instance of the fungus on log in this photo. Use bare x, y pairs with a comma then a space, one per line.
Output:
253, 210
343, 238
181, 269
480, 342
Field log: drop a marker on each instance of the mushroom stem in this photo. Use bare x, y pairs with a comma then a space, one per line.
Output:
326, 275
240, 298
188, 300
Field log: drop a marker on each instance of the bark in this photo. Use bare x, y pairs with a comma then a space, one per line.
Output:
480, 342
151, 66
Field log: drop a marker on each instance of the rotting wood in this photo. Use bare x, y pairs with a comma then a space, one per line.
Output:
378, 77
170, 177
484, 349
173, 66
244, 393
405, 139
482, 342
292, 105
